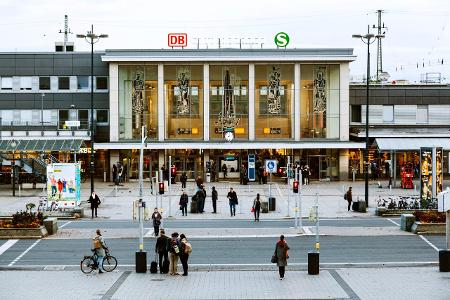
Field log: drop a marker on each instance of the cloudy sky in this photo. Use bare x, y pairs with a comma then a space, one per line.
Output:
417, 35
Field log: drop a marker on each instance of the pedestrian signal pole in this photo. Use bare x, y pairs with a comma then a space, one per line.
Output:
141, 255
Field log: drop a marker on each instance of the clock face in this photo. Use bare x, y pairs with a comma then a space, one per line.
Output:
229, 136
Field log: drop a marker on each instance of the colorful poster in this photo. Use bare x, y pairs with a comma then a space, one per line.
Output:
63, 182
439, 170
426, 173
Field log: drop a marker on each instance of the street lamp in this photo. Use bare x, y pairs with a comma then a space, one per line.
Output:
92, 38
13, 145
367, 39
42, 114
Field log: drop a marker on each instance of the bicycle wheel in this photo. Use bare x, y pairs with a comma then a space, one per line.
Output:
87, 265
109, 263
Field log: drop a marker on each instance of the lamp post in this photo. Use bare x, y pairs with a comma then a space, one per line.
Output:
367, 39
42, 114
13, 145
92, 38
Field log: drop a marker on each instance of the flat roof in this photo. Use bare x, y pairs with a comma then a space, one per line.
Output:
228, 54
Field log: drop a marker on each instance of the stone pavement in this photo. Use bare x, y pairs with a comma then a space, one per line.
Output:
342, 283
118, 205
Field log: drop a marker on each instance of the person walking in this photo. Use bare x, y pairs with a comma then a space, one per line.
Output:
348, 197
185, 250
256, 207
99, 249
224, 170
156, 217
233, 201
183, 180
281, 252
114, 173
161, 248
214, 197
94, 200
184, 199
174, 253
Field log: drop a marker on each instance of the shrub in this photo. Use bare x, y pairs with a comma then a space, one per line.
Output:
431, 216
24, 219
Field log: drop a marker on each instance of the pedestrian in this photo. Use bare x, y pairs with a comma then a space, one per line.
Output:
185, 250
94, 200
256, 207
243, 174
200, 196
281, 252
214, 197
156, 217
174, 253
161, 248
233, 201
124, 173
183, 180
114, 173
99, 249
199, 182
183, 203
224, 170
348, 197
260, 174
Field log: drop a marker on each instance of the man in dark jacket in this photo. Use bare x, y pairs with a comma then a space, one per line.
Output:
156, 217
200, 195
233, 201
162, 248
183, 180
183, 203
214, 196
348, 197
94, 200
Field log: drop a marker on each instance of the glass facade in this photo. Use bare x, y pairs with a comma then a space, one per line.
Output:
274, 101
319, 101
228, 107
138, 101
183, 90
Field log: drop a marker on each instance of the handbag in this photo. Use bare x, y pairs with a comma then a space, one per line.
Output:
274, 259
253, 209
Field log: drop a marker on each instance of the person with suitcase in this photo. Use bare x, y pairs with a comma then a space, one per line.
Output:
161, 248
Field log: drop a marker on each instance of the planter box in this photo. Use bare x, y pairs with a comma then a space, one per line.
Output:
74, 213
383, 211
428, 228
23, 233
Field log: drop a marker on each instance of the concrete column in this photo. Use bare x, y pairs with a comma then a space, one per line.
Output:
113, 159
394, 166
343, 164
251, 102
205, 159
206, 102
161, 159
297, 110
161, 112
113, 102
344, 109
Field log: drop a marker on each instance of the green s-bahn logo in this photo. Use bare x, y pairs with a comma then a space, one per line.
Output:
281, 39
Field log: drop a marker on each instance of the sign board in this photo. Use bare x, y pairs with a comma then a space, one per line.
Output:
281, 39
444, 201
72, 123
177, 39
251, 167
271, 165
426, 173
63, 182
439, 158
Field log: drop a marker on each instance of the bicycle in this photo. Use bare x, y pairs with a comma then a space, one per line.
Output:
89, 263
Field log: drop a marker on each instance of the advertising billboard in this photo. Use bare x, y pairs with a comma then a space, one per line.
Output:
426, 173
63, 182
439, 170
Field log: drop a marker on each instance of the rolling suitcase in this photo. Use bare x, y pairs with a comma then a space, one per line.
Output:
166, 265
154, 266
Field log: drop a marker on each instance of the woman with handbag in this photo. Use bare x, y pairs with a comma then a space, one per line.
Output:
256, 208
281, 254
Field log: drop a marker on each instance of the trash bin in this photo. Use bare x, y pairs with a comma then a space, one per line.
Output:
208, 177
272, 203
264, 207
355, 205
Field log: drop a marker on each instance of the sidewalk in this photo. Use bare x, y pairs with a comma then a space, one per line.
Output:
343, 283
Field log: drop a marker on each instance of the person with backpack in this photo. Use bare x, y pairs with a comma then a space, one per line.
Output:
214, 197
174, 253
183, 203
99, 249
233, 201
161, 248
186, 249
94, 200
156, 217
348, 197
256, 208
282, 255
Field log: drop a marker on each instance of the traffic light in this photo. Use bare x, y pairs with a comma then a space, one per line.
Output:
295, 186
161, 188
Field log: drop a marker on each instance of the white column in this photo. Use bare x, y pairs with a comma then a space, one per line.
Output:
206, 102
251, 102
344, 108
343, 164
113, 102
297, 110
161, 112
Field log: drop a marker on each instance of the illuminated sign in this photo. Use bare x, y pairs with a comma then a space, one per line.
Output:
177, 39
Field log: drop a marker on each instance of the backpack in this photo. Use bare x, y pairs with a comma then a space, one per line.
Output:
96, 243
345, 196
187, 248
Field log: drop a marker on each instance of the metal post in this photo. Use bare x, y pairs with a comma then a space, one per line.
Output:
42, 113
317, 223
141, 186
289, 188
169, 185
296, 202
92, 162
366, 150
14, 173
300, 187
447, 229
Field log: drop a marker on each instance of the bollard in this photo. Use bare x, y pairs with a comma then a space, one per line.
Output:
141, 261
115, 191
313, 263
20, 190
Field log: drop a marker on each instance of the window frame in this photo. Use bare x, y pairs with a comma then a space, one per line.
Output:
391, 113
49, 83
68, 83
10, 80
97, 85
107, 117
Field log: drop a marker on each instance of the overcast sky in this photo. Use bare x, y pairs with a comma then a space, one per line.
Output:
418, 31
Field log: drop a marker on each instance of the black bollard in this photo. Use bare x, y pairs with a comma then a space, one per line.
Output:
444, 260
313, 263
141, 261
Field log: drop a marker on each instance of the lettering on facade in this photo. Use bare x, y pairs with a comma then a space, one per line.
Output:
184, 131
177, 39
275, 130
320, 91
274, 96
183, 101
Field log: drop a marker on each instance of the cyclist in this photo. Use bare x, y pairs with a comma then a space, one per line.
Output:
100, 249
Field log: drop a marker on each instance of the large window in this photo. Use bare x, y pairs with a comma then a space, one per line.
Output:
64, 83
138, 101
274, 100
101, 82
101, 116
44, 83
183, 89
388, 113
6, 83
83, 82
356, 113
63, 116
319, 97
422, 114
25, 83
228, 108
83, 117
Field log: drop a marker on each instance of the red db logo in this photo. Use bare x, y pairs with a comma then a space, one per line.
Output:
177, 39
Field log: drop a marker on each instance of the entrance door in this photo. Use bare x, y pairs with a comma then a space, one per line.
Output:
318, 165
188, 164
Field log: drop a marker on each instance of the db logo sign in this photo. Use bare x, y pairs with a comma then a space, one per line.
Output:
177, 39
